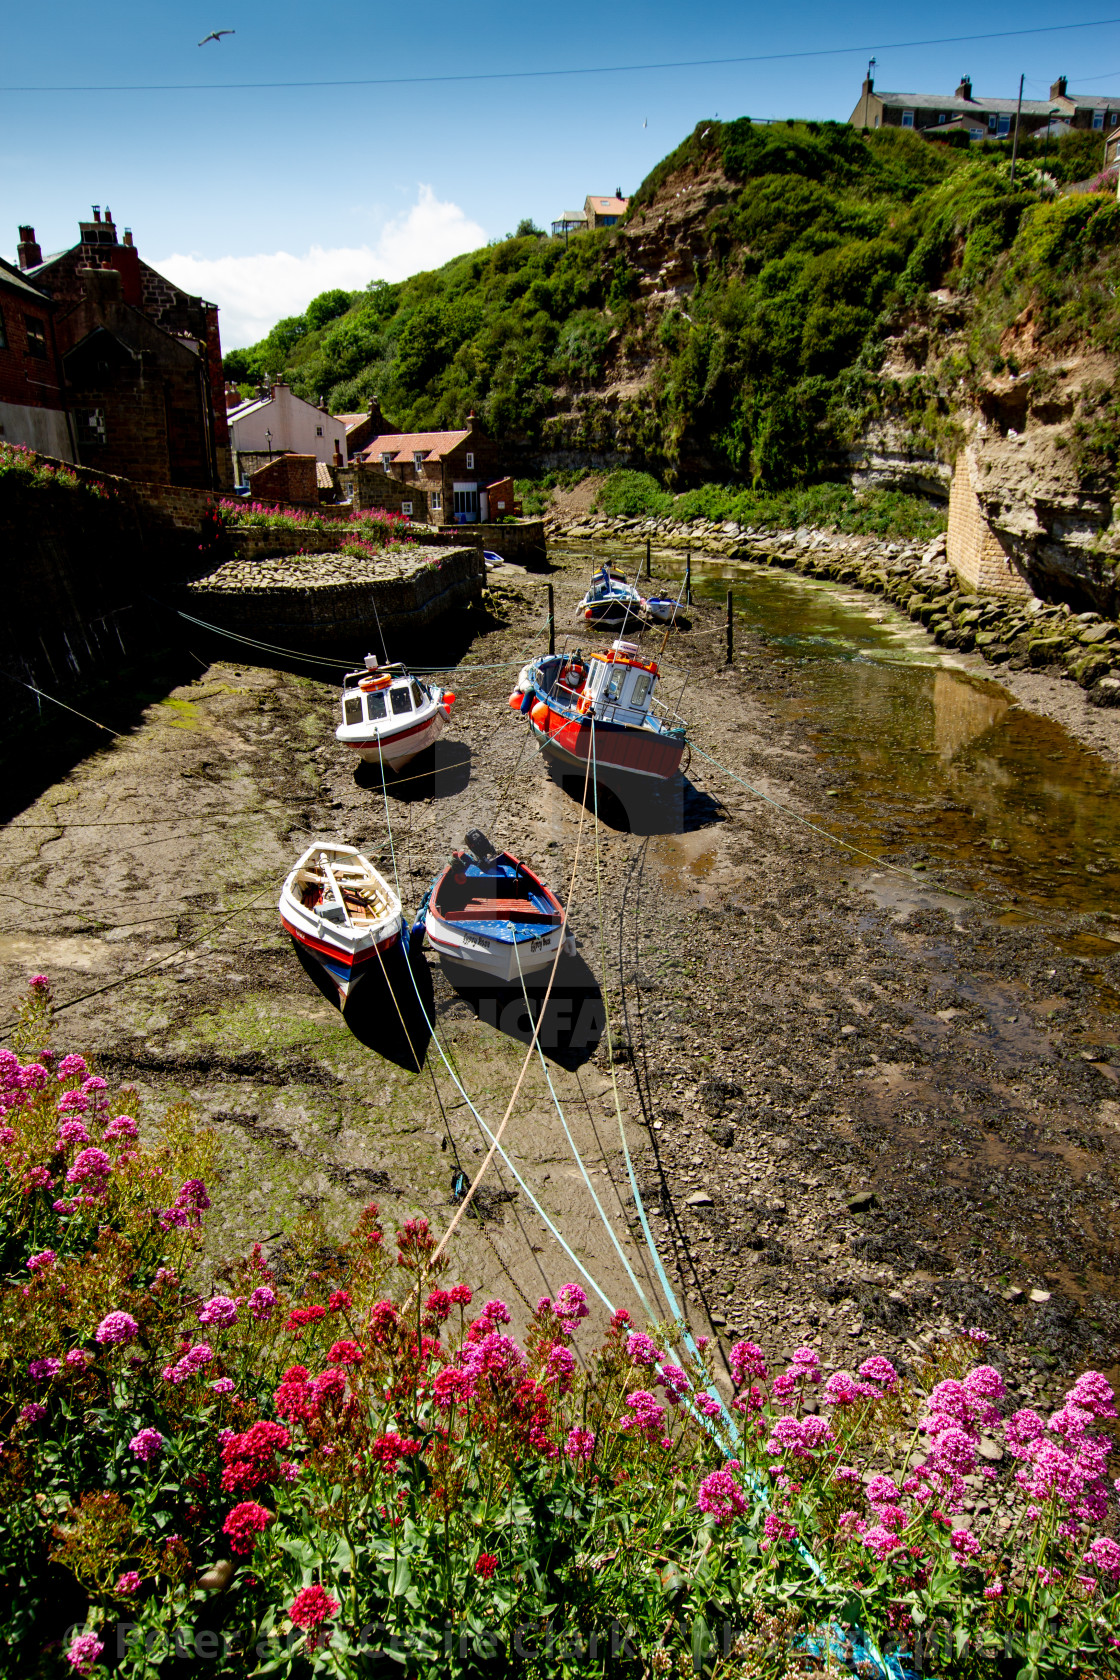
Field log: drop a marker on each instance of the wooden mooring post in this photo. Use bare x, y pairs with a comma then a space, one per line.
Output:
552, 620
688, 577
730, 628
648, 572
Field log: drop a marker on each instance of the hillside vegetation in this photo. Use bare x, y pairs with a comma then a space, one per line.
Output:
732, 327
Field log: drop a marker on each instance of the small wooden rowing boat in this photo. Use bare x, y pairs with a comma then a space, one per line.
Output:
489, 912
600, 709
388, 715
341, 911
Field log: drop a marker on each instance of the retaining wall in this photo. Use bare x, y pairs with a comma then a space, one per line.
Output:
522, 541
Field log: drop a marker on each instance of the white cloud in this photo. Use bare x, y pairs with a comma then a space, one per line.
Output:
254, 292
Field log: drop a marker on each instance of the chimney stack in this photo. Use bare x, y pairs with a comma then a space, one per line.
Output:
964, 89
30, 254
1058, 88
337, 463
97, 212
128, 237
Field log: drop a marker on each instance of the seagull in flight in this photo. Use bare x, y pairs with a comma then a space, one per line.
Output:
216, 35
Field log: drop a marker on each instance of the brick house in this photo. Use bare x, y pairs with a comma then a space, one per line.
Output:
361, 429
32, 405
934, 114
453, 469
196, 449
605, 212
278, 423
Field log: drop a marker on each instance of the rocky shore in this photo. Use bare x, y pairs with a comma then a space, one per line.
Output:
1019, 634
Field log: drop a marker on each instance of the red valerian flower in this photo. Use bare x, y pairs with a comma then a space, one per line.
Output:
391, 1450
309, 1609
249, 1460
486, 1565
244, 1526
382, 1321
301, 1317
345, 1353
339, 1301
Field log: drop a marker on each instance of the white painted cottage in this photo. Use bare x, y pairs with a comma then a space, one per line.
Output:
281, 424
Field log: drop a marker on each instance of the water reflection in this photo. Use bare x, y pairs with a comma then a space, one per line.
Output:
927, 756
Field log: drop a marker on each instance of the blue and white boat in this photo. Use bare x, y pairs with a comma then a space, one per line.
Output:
610, 600
488, 911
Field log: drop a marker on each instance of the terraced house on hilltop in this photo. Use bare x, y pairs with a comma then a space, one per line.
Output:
937, 115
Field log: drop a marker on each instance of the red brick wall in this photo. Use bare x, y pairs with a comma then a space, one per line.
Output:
290, 478
27, 379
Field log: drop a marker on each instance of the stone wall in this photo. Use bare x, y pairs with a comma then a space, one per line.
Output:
973, 550
306, 605
522, 542
288, 478
369, 487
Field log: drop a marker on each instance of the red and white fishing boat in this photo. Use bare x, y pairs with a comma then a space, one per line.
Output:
388, 715
489, 912
341, 911
599, 708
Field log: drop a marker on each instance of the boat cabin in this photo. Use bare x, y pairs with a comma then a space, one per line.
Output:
622, 681
379, 692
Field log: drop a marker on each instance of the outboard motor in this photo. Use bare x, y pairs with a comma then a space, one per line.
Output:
479, 847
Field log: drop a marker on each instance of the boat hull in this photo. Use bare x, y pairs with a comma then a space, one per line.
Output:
500, 957
344, 966
618, 747
394, 749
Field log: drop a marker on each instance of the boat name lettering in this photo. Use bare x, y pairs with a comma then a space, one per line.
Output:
476, 939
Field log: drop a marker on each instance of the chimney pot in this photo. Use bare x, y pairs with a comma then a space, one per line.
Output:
128, 236
1058, 88
30, 254
97, 212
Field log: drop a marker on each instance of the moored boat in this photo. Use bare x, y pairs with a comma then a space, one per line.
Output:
600, 708
339, 909
388, 715
610, 600
489, 912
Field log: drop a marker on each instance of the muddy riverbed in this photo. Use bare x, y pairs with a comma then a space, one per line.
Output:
869, 1093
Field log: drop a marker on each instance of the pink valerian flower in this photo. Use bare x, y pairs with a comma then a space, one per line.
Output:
964, 1543
580, 1444
1093, 1392
438, 1305
980, 1337
222, 1385
560, 1367
42, 1370
147, 1445
707, 1405
984, 1382
841, 1389
185, 1213
244, 1526
775, 1528
486, 1565
38, 1262
640, 1349
879, 1370
339, 1301
648, 1415
115, 1328
262, 1303
128, 1584
344, 1353
33, 1412
954, 1403
79, 1356
1048, 1577
220, 1312
124, 1126
570, 1306
747, 1360
460, 1294
84, 1650
1104, 1556
880, 1490
72, 1066
1020, 1429
37, 1178
92, 1167
493, 1354
7, 1136
720, 1497
191, 1363
783, 1388
994, 1590
71, 1132
453, 1384
880, 1541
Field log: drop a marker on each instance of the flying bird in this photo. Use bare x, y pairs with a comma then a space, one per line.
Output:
216, 35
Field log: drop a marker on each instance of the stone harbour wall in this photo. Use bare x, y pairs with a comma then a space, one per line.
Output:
321, 600
1018, 630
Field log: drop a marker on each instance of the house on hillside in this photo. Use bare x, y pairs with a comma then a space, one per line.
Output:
361, 428
279, 423
596, 213
181, 432
935, 115
32, 405
453, 470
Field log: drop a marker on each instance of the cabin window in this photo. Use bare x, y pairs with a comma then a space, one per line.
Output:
640, 689
417, 697
992, 123
614, 686
352, 710
375, 707
402, 701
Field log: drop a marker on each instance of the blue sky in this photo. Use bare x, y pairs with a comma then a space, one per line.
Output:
260, 198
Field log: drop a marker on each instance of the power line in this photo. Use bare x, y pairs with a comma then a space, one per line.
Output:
538, 75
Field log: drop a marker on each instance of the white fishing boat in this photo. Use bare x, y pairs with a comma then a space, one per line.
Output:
489, 912
338, 908
610, 599
388, 715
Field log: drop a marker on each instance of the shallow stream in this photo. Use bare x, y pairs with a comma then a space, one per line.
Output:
929, 764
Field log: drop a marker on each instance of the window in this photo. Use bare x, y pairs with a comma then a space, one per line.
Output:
1098, 119
386, 460
470, 461
640, 688
876, 122
992, 123
417, 459
91, 425
352, 710
466, 502
375, 707
318, 431
4, 345
402, 701
36, 337
436, 502
907, 119
406, 508
1005, 125
614, 686
417, 697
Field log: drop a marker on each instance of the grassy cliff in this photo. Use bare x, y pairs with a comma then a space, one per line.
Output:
733, 326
